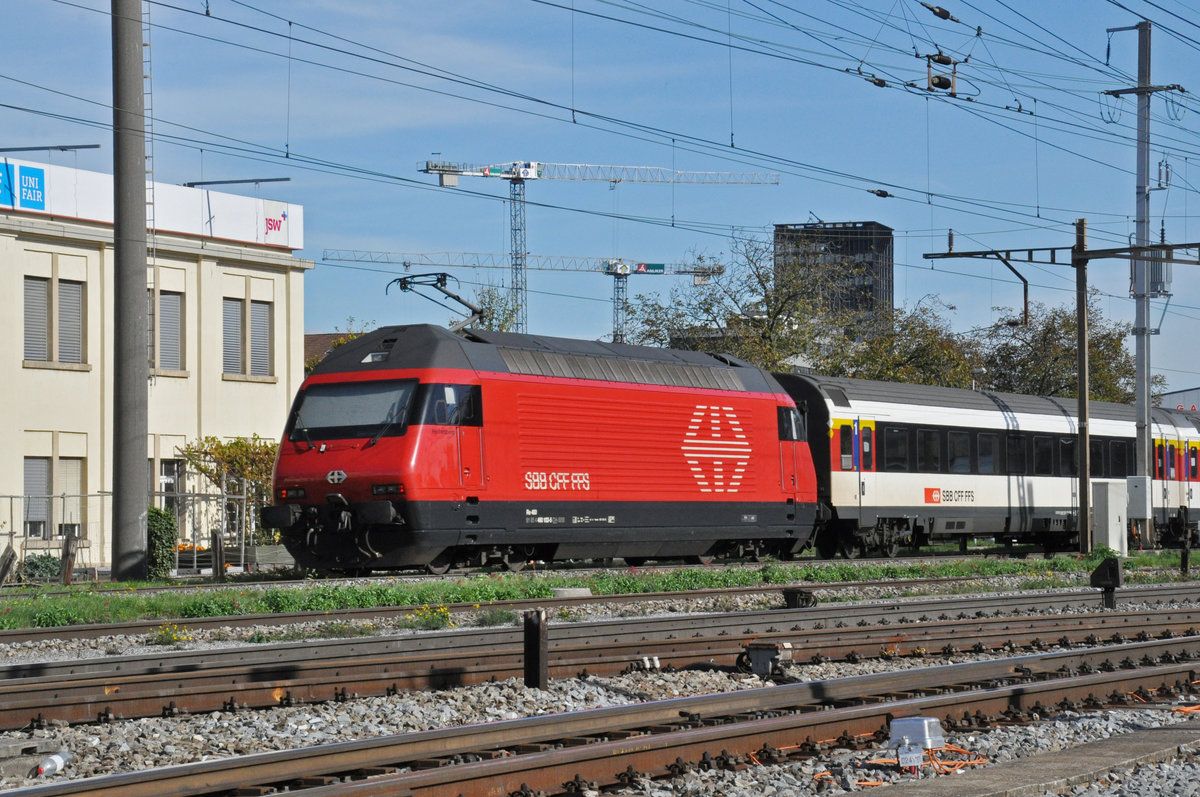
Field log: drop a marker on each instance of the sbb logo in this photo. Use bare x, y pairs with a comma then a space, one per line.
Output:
933, 495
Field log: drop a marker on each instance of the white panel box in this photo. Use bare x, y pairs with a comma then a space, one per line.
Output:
1110, 500
1139, 497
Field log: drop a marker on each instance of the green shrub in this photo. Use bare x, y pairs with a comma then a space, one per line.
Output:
41, 565
162, 536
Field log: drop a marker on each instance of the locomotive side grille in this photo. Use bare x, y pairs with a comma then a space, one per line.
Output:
611, 369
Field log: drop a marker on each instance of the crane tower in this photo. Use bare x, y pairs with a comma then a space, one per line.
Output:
518, 172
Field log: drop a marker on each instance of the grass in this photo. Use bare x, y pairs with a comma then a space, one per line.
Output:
49, 606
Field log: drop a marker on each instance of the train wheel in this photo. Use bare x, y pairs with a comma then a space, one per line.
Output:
440, 564
827, 543
891, 549
851, 549
514, 562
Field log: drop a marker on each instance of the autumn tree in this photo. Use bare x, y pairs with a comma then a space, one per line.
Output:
354, 329
1040, 357
234, 465
499, 309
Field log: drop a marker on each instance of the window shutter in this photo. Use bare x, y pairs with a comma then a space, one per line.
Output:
37, 318
70, 321
260, 338
37, 491
170, 336
70, 471
232, 343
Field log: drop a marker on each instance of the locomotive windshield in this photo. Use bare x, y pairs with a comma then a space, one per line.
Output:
352, 409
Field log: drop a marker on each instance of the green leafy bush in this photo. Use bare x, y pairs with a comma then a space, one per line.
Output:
41, 565
160, 549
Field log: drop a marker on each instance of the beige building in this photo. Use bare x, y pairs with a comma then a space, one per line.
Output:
226, 297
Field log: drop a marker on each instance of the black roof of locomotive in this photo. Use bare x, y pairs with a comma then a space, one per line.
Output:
428, 346
844, 391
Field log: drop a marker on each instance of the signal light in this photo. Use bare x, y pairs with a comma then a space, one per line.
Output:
387, 489
284, 493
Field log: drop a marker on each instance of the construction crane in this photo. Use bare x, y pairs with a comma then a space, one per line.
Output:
518, 172
620, 270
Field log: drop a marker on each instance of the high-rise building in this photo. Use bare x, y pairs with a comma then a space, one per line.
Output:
851, 261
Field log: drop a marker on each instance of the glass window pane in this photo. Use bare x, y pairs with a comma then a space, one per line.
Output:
929, 454
987, 453
960, 452
1118, 462
1043, 456
1015, 454
868, 448
847, 447
895, 449
1068, 460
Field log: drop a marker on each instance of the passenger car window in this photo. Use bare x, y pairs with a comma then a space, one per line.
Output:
929, 451
987, 453
960, 452
895, 449
1043, 456
1015, 454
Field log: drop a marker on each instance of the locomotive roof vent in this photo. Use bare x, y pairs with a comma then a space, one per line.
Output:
382, 353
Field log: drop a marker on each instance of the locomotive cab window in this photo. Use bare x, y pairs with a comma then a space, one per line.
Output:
450, 405
790, 426
351, 409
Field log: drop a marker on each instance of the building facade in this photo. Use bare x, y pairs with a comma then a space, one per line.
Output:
225, 295
851, 261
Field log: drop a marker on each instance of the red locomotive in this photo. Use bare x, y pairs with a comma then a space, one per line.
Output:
416, 446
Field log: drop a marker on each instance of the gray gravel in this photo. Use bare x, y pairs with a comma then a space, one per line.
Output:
155, 742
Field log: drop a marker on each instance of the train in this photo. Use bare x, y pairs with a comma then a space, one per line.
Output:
417, 447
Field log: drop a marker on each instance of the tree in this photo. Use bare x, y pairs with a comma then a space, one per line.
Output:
907, 344
1040, 358
353, 330
499, 310
235, 464
750, 307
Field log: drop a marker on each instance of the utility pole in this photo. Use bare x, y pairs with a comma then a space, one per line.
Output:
1078, 257
1143, 284
1084, 446
131, 370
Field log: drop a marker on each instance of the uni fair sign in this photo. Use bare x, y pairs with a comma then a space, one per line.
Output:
22, 186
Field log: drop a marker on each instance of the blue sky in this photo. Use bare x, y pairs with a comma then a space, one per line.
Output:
347, 98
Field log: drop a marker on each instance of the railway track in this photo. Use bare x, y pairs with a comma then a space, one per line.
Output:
1163, 593
318, 671
608, 746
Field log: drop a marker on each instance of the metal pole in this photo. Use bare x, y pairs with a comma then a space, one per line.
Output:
516, 199
1140, 274
537, 647
1084, 445
131, 372
620, 304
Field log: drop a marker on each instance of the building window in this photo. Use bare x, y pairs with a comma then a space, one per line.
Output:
236, 331
37, 496
167, 485
54, 506
169, 337
53, 320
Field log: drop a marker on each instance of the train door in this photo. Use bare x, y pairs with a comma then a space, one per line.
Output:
868, 500
460, 407
856, 460
790, 431
1191, 467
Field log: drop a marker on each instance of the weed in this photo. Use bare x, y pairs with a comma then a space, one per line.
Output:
490, 618
170, 634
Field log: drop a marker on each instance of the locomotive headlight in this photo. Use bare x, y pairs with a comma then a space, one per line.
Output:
289, 493
387, 489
